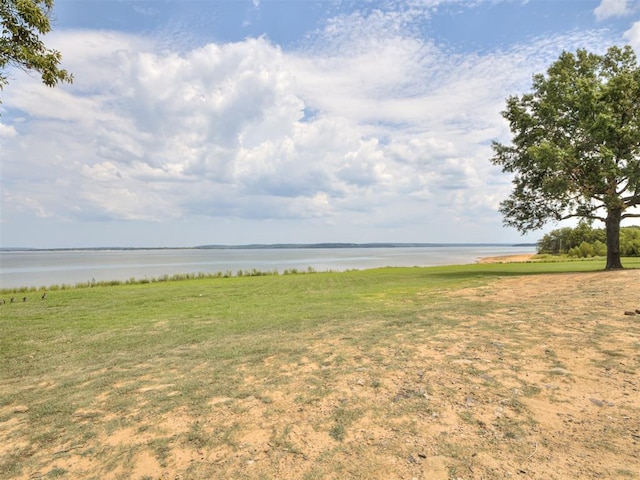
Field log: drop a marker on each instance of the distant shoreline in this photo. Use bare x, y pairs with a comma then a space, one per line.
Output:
274, 246
71, 266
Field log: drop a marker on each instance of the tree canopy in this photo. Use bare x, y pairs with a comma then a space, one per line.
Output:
23, 24
585, 241
575, 148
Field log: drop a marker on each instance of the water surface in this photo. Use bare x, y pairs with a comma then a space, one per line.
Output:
57, 267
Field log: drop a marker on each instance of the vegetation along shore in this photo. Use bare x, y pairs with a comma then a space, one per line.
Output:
490, 370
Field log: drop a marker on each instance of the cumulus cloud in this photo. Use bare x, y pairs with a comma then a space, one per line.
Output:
611, 8
633, 36
366, 120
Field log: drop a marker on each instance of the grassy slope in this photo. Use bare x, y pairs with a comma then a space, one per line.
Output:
58, 355
96, 326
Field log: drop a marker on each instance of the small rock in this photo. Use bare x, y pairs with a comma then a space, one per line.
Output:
21, 409
629, 313
597, 402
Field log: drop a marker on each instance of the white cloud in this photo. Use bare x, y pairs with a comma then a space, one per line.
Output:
611, 8
7, 130
367, 123
633, 37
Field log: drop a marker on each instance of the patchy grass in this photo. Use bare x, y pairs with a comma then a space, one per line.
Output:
386, 373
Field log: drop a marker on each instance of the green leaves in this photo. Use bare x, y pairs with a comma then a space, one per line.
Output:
576, 140
23, 21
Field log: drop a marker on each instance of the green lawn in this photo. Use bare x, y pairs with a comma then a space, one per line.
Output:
109, 326
94, 326
58, 355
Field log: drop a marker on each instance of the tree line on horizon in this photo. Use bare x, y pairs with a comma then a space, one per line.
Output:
584, 241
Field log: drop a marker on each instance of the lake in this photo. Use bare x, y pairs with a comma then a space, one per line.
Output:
56, 267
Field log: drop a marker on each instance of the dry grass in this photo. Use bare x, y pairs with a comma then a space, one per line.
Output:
512, 377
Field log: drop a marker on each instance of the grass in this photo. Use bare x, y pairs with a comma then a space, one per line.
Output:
92, 363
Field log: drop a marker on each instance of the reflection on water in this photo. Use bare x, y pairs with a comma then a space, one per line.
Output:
44, 268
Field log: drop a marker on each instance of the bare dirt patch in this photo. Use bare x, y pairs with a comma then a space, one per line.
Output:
507, 258
527, 377
571, 358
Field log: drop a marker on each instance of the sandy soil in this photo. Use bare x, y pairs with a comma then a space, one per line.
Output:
507, 258
540, 380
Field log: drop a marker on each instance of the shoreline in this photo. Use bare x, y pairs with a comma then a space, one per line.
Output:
520, 258
41, 269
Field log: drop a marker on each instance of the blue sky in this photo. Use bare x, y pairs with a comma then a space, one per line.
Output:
233, 122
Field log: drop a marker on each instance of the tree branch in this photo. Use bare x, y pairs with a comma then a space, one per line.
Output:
581, 215
631, 200
626, 187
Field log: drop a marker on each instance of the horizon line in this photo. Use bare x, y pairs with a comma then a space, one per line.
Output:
257, 246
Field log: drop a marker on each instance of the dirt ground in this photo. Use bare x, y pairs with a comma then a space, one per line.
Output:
507, 258
540, 380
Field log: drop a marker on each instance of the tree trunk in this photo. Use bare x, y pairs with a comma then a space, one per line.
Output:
612, 224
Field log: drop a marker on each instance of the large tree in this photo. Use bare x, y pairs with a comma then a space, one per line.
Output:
575, 147
23, 23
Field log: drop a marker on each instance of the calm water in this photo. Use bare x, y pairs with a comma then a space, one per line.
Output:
44, 268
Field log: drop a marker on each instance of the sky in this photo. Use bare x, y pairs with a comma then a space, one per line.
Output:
279, 121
